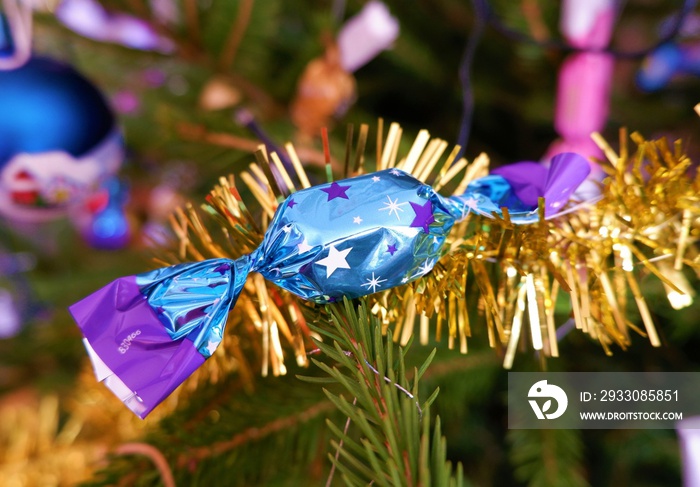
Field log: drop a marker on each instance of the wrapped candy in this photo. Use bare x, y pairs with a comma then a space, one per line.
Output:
145, 334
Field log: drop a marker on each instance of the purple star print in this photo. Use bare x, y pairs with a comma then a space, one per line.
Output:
336, 191
291, 203
424, 216
391, 249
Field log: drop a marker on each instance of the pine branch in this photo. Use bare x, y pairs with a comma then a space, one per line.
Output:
394, 446
255, 433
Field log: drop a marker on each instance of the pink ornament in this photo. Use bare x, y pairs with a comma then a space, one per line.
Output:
90, 19
583, 94
588, 24
585, 78
126, 102
367, 34
689, 437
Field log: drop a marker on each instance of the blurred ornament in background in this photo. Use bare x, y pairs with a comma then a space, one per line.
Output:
584, 83
689, 436
58, 137
10, 321
15, 295
102, 221
219, 93
160, 202
326, 88
166, 12
154, 77
90, 19
126, 102
585, 78
151, 204
366, 35
672, 59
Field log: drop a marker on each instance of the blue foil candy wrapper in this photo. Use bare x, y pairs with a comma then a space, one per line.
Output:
146, 334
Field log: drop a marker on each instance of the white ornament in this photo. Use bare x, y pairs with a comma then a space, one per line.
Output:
367, 34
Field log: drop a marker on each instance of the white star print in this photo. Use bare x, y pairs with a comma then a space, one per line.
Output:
395, 172
425, 268
471, 202
435, 240
304, 247
404, 280
376, 179
393, 207
211, 347
335, 260
287, 228
374, 283
357, 220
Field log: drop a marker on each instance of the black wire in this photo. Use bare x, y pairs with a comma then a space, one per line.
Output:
484, 15
481, 19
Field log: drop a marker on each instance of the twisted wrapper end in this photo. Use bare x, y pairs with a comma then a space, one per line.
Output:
146, 334
518, 187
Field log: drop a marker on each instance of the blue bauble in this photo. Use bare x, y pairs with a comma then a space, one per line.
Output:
108, 227
58, 139
659, 67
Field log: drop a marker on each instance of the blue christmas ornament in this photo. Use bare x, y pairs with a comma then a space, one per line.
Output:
678, 57
107, 228
665, 63
58, 139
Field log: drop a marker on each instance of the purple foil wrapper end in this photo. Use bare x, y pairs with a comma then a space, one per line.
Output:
131, 352
531, 180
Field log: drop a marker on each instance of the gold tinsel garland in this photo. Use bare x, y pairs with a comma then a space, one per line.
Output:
645, 222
